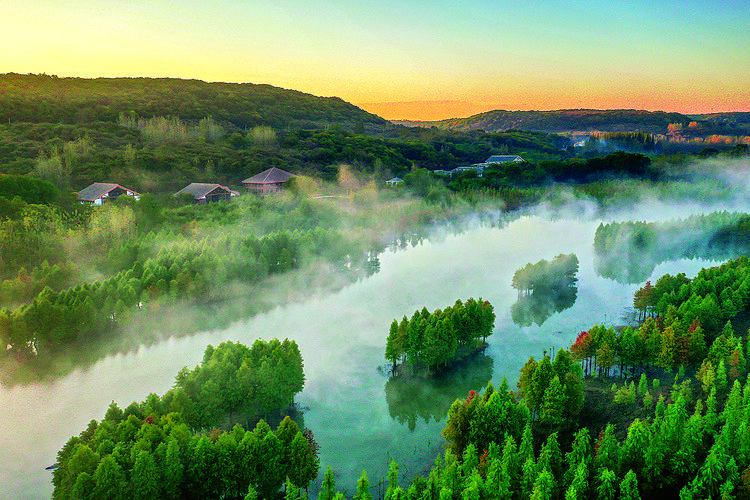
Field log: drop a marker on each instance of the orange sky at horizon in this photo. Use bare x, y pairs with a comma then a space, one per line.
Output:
421, 60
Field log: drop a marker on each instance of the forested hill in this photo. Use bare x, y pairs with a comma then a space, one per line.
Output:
616, 120
49, 99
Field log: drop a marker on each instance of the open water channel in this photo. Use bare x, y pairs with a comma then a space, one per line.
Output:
360, 420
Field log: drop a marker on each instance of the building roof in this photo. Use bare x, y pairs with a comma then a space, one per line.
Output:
271, 176
394, 180
199, 190
99, 189
503, 158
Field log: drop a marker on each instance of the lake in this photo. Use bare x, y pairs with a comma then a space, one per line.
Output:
359, 418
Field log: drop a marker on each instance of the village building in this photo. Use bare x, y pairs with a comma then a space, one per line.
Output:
479, 167
395, 181
268, 181
99, 192
503, 159
207, 193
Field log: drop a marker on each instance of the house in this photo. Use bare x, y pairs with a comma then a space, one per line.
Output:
395, 181
504, 159
99, 192
207, 193
268, 181
479, 167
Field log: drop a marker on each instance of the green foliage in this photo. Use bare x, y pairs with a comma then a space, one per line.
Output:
149, 451
544, 288
432, 340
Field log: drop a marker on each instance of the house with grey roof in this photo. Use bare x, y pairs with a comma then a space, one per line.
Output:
100, 192
268, 181
395, 181
204, 193
504, 159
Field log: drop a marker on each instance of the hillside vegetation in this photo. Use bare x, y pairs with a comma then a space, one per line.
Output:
42, 98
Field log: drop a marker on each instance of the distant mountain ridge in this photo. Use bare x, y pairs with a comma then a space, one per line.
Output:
49, 99
583, 120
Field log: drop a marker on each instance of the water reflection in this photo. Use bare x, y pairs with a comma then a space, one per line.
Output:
628, 252
544, 288
430, 398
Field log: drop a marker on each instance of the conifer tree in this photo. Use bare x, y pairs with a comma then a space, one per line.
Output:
543, 486
328, 486
363, 488
607, 485
629, 487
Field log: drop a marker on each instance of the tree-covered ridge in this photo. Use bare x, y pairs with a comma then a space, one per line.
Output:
42, 98
431, 340
616, 120
139, 153
160, 448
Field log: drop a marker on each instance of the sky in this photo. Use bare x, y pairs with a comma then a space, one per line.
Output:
417, 59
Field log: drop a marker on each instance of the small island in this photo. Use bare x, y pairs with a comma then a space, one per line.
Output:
430, 341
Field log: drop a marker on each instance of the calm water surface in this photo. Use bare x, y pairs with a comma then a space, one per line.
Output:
358, 424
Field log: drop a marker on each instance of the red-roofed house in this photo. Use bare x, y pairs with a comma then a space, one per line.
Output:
268, 181
99, 192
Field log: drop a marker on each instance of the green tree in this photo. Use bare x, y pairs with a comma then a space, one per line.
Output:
328, 487
629, 487
553, 403
544, 486
144, 480
363, 488
110, 480
607, 487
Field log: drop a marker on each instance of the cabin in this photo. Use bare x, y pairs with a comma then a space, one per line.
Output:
395, 181
268, 181
479, 167
503, 159
100, 192
204, 193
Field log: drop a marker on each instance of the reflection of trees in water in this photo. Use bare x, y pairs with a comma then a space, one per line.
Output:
628, 252
412, 398
544, 288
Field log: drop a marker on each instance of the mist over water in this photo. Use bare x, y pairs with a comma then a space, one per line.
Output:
342, 338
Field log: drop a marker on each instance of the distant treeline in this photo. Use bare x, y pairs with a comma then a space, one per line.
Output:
575, 170
176, 151
161, 448
430, 340
629, 251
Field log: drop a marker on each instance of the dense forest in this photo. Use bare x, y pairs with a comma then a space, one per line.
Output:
173, 446
78, 282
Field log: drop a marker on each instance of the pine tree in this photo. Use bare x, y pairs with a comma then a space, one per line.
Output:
607, 488
328, 486
392, 481
292, 491
363, 488
629, 487
543, 486
553, 403
144, 482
